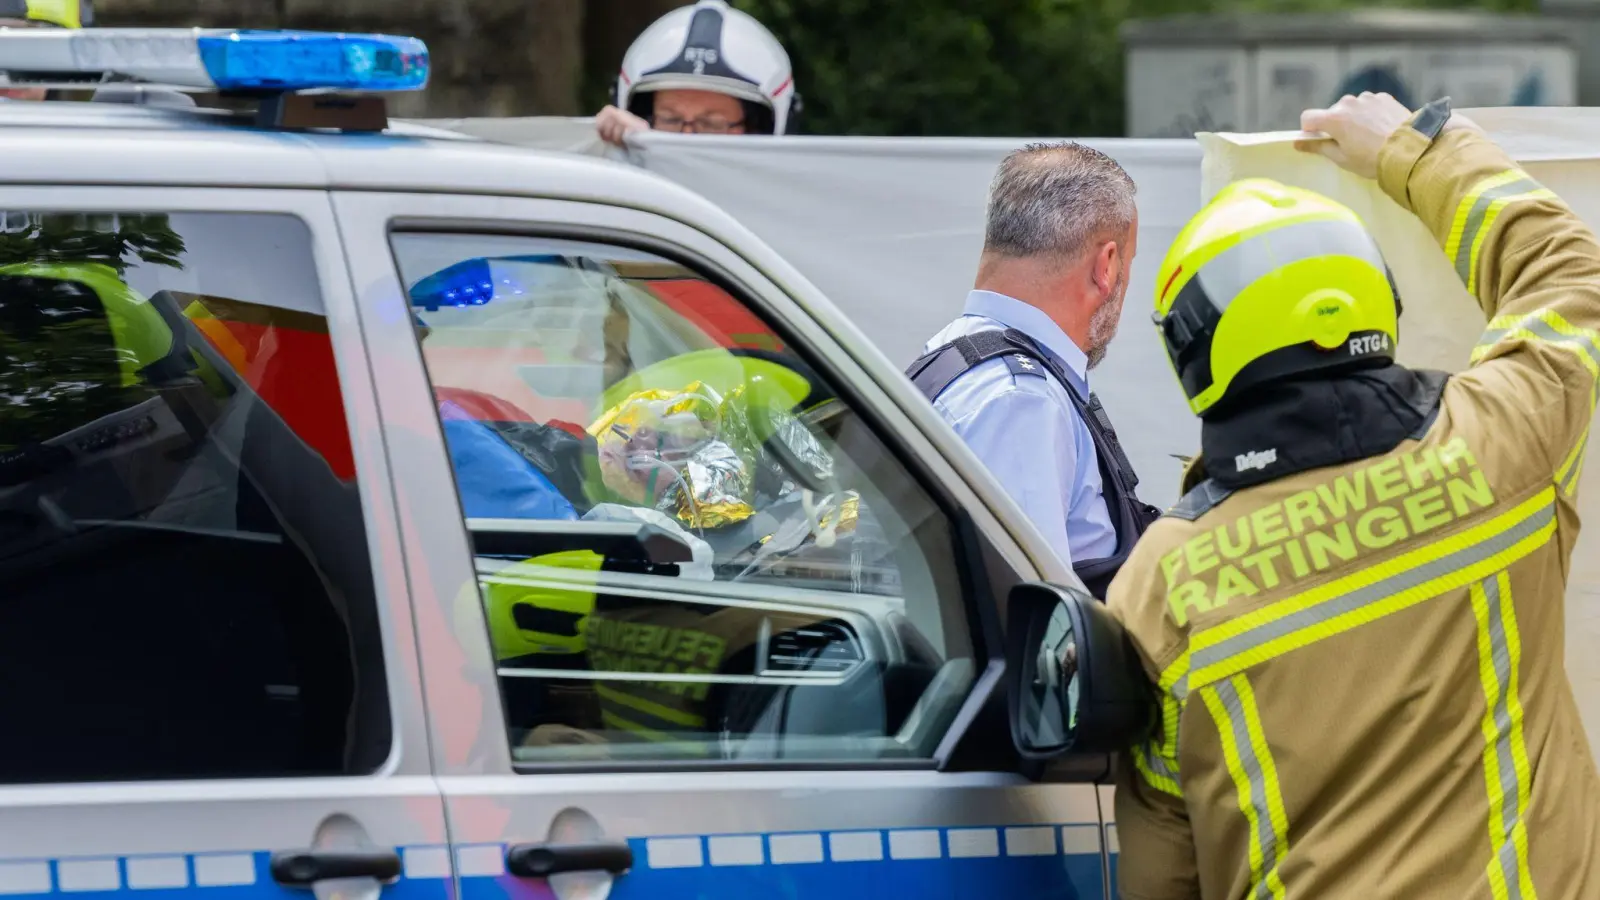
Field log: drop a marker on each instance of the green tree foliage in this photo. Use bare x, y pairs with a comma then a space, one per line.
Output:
113, 240
982, 67
61, 365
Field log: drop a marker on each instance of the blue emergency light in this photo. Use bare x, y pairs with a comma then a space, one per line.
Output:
308, 60
471, 282
206, 59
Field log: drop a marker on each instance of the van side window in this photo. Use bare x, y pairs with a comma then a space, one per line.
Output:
186, 582
690, 546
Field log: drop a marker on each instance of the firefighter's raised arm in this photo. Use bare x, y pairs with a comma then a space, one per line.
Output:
1529, 261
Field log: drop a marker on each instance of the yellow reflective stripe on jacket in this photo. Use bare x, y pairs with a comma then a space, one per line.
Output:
1171, 712
1547, 326
1476, 214
1159, 772
1244, 747
1174, 685
1506, 771
1457, 239
1175, 680
616, 722
1567, 475
683, 745
1372, 593
623, 709
1158, 763
666, 715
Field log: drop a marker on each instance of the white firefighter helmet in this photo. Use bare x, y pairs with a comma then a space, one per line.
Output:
712, 47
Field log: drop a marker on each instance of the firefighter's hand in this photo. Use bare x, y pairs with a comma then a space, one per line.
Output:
1358, 127
615, 124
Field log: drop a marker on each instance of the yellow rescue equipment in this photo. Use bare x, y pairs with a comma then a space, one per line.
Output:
541, 605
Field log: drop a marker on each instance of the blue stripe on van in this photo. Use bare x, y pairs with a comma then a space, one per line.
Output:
1053, 862
1027, 863
220, 876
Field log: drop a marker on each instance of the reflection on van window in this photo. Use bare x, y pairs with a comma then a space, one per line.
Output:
689, 545
186, 578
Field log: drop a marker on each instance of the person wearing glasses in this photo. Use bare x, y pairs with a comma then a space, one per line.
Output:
703, 69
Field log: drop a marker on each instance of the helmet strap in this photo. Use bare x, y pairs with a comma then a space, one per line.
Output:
758, 118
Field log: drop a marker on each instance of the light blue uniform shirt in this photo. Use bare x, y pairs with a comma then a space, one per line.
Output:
1027, 431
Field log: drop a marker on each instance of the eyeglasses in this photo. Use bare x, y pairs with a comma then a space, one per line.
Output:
706, 125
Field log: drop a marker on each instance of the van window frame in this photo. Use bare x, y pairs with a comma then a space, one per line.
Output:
981, 620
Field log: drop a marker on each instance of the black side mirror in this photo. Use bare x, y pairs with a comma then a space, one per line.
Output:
1076, 685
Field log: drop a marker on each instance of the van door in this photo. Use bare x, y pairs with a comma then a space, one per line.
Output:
206, 641
699, 619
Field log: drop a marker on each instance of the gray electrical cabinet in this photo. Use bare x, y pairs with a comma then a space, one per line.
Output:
1258, 72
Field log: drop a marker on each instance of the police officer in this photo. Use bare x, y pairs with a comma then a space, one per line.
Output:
1355, 617
705, 69
1011, 374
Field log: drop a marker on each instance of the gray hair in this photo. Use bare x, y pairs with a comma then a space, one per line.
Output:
1055, 199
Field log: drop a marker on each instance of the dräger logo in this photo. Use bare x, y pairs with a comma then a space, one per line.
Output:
1369, 343
1256, 459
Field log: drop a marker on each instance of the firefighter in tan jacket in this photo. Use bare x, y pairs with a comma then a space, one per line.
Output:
1355, 617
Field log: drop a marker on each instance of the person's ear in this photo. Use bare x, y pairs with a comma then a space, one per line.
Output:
1107, 267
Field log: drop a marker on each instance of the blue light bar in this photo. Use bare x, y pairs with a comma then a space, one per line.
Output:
203, 59
310, 60
471, 282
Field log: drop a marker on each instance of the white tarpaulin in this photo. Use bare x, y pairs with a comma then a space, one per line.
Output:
1561, 149
890, 229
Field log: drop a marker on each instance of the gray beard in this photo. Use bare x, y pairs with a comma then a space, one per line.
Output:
1103, 326
1096, 354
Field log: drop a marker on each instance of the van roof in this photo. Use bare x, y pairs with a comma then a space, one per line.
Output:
76, 142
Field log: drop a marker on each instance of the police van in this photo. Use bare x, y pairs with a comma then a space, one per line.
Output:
385, 513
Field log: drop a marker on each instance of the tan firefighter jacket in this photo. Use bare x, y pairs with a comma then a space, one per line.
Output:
1361, 666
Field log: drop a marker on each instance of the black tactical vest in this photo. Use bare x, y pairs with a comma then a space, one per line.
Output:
939, 368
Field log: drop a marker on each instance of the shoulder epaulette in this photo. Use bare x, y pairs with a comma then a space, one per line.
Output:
1200, 500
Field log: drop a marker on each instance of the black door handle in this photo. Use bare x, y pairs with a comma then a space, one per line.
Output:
543, 860
303, 868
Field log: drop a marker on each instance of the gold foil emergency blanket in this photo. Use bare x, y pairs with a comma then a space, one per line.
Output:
665, 449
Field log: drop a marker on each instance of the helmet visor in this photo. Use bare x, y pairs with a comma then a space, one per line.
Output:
1186, 332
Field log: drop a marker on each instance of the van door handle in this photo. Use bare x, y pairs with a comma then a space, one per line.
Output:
544, 860
303, 868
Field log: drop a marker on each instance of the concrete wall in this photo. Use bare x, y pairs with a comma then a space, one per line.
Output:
1582, 18
490, 57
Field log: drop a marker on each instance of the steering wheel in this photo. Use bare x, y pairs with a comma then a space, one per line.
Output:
764, 422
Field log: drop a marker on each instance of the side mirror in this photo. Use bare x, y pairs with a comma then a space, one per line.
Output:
1075, 683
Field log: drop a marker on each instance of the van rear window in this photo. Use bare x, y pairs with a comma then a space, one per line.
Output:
186, 582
